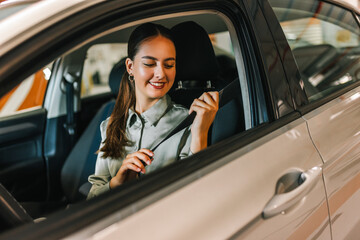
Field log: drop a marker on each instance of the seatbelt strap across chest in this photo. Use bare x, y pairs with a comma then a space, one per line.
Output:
225, 96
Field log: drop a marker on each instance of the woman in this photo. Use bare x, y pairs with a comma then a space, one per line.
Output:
144, 114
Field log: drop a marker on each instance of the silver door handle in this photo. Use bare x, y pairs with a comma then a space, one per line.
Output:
283, 201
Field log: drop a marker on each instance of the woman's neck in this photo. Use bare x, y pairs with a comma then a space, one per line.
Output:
142, 105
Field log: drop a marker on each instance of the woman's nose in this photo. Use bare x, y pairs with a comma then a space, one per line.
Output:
159, 72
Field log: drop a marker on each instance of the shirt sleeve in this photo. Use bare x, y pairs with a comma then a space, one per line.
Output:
101, 178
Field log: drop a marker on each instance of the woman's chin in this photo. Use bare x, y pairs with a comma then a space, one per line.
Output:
157, 93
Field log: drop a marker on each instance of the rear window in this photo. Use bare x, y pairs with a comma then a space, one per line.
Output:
324, 39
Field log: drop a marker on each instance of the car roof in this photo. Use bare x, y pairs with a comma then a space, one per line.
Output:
22, 25
10, 7
344, 4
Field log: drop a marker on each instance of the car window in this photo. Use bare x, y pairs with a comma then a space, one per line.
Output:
189, 83
324, 39
28, 95
222, 43
100, 59
102, 62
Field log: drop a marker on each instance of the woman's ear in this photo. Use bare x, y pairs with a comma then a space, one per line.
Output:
129, 66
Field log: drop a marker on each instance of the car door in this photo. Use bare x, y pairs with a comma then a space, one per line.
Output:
22, 127
265, 182
35, 142
33, 136
335, 129
333, 113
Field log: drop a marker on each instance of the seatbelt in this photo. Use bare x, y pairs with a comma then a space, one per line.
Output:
225, 96
69, 80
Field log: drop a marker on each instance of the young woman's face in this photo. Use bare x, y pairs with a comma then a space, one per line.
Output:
153, 68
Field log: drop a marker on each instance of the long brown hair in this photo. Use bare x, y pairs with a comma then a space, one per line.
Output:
116, 138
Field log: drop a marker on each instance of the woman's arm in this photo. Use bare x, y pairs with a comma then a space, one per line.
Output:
206, 107
100, 179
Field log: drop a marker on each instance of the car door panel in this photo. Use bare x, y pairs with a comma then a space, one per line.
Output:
231, 198
335, 129
21, 159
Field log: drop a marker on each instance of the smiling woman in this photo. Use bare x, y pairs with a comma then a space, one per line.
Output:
136, 125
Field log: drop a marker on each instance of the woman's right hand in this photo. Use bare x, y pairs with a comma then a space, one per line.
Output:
131, 166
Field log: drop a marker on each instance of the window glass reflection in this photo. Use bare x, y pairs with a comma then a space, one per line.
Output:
325, 43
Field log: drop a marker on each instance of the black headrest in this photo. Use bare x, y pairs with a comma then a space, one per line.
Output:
116, 75
195, 57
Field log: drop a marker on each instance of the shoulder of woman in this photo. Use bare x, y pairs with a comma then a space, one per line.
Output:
103, 127
179, 109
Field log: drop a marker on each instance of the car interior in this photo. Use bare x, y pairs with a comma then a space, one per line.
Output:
201, 66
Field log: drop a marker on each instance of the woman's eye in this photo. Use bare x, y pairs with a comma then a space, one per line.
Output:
169, 65
149, 64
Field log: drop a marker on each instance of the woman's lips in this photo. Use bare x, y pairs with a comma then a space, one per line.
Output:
157, 85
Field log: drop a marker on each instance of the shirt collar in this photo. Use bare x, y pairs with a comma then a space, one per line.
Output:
153, 114
131, 118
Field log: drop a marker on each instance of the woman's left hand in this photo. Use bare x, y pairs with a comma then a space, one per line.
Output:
206, 107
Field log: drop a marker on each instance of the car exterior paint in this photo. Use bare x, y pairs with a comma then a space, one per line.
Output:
226, 198
223, 204
341, 155
22, 25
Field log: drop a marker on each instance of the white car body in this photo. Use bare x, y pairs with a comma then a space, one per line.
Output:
235, 196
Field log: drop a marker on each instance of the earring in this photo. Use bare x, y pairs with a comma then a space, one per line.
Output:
131, 78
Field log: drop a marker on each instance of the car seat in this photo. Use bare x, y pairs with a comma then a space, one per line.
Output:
81, 161
228, 69
197, 71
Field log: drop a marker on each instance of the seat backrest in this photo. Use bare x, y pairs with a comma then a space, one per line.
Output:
82, 159
197, 71
229, 119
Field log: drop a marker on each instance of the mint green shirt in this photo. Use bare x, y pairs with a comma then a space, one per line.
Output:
145, 131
